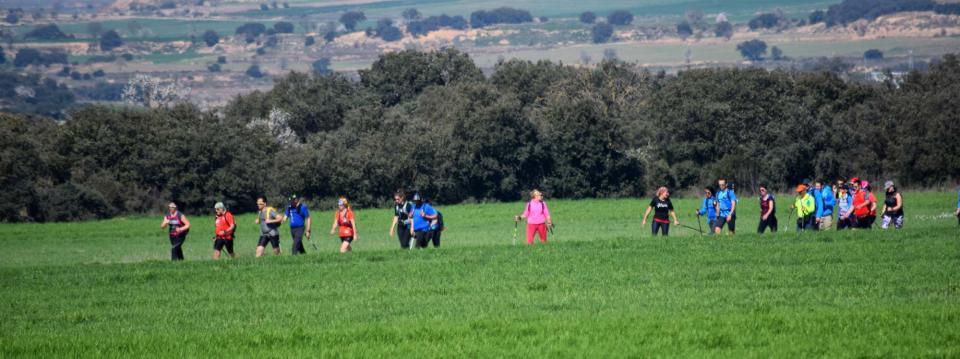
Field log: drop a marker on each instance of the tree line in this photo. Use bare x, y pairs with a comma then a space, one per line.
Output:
432, 122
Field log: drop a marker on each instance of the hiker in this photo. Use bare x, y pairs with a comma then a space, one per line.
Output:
299, 215
726, 208
344, 219
806, 208
436, 226
538, 217
225, 227
812, 190
768, 211
825, 203
269, 220
844, 208
892, 207
401, 218
872, 214
421, 214
861, 204
708, 207
661, 205
178, 226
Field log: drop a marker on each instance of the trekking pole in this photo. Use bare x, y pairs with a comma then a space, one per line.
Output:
699, 225
312, 243
692, 229
516, 223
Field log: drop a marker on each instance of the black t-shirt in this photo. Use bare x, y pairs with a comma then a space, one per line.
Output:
402, 212
661, 209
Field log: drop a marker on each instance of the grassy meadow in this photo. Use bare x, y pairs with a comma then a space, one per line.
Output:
602, 287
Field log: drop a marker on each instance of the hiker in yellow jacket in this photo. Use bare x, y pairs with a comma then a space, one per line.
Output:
806, 207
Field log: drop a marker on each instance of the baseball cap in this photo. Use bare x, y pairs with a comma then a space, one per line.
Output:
888, 184
219, 205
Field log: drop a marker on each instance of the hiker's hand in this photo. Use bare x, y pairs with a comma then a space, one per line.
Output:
516, 218
332, 231
644, 222
729, 217
764, 217
676, 222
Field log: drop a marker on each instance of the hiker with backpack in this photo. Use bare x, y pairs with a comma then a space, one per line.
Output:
422, 214
805, 205
538, 217
726, 208
861, 204
825, 202
401, 218
344, 220
844, 208
299, 216
708, 207
892, 207
661, 206
178, 226
768, 212
269, 220
436, 226
225, 227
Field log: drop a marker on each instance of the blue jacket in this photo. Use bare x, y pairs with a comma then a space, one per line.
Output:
725, 200
817, 200
825, 202
958, 199
707, 208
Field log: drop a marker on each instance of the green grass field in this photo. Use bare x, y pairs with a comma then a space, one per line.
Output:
603, 287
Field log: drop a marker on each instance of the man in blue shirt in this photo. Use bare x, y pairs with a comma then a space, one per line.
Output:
823, 196
422, 214
299, 216
726, 208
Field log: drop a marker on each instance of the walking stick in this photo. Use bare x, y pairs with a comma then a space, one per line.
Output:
699, 225
312, 243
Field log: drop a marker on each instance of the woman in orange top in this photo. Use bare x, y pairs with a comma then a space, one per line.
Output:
343, 218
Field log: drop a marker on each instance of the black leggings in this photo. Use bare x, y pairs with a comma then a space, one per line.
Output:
770, 222
658, 226
176, 247
403, 234
435, 237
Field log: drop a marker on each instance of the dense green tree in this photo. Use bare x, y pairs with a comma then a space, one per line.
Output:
620, 18
399, 76
211, 38
110, 40
753, 50
350, 19
601, 32
588, 17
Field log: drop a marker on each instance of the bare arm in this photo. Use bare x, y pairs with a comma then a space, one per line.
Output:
674, 214
333, 228
646, 214
164, 223
186, 223
394, 224
353, 222
899, 203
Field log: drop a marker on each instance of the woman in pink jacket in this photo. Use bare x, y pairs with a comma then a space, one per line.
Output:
538, 217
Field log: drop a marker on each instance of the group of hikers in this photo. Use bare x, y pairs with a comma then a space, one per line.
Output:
416, 219
852, 202
417, 223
